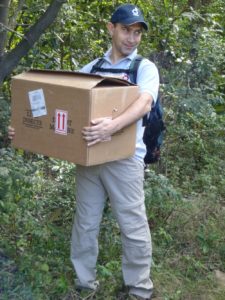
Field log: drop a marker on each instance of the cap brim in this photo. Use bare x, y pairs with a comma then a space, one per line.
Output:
145, 26
131, 22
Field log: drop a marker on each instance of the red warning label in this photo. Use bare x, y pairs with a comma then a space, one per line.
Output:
61, 117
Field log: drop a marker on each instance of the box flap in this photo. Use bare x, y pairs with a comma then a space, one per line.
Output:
73, 79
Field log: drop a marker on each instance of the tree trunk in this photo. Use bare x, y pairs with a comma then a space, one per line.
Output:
4, 9
10, 60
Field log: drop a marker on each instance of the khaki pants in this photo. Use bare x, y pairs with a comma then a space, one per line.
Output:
122, 182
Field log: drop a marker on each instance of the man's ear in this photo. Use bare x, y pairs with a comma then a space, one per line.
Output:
110, 27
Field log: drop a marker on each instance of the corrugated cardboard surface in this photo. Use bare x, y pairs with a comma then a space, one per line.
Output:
80, 98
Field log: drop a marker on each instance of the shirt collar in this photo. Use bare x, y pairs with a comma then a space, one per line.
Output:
129, 57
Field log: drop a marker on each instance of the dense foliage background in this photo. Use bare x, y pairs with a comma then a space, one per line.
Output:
185, 191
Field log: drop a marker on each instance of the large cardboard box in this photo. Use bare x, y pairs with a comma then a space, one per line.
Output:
50, 108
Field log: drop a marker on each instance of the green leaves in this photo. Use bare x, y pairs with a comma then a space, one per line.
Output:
184, 192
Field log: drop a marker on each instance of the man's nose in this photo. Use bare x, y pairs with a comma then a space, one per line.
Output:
131, 37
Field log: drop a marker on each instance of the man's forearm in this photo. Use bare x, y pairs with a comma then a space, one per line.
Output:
103, 128
134, 112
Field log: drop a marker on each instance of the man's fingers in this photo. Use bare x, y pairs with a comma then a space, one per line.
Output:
11, 132
93, 142
90, 137
99, 131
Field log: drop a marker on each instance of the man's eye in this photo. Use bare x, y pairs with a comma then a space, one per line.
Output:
138, 32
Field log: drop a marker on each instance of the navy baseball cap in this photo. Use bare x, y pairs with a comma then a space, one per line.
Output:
128, 14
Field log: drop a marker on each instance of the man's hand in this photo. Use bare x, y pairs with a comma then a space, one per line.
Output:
11, 133
100, 130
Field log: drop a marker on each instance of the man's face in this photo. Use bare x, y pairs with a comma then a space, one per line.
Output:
125, 38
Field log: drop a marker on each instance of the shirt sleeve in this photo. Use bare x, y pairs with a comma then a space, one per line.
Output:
148, 78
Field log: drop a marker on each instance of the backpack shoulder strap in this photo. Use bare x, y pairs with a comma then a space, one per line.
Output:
133, 78
97, 65
132, 71
134, 65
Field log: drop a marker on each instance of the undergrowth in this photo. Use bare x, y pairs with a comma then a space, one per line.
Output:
185, 205
37, 205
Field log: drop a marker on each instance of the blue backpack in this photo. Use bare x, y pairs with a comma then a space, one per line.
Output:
153, 122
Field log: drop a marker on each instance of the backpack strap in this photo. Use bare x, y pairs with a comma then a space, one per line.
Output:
132, 71
134, 65
97, 67
133, 78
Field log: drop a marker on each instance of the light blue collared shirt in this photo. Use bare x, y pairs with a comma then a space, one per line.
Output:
147, 80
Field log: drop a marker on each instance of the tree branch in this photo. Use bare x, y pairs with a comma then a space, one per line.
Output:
6, 28
10, 60
12, 19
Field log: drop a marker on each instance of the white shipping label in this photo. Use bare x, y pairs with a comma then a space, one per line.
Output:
37, 103
61, 117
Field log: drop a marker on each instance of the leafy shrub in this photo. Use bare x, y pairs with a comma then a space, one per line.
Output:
4, 120
36, 204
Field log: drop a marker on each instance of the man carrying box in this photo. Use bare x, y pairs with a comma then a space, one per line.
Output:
121, 181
